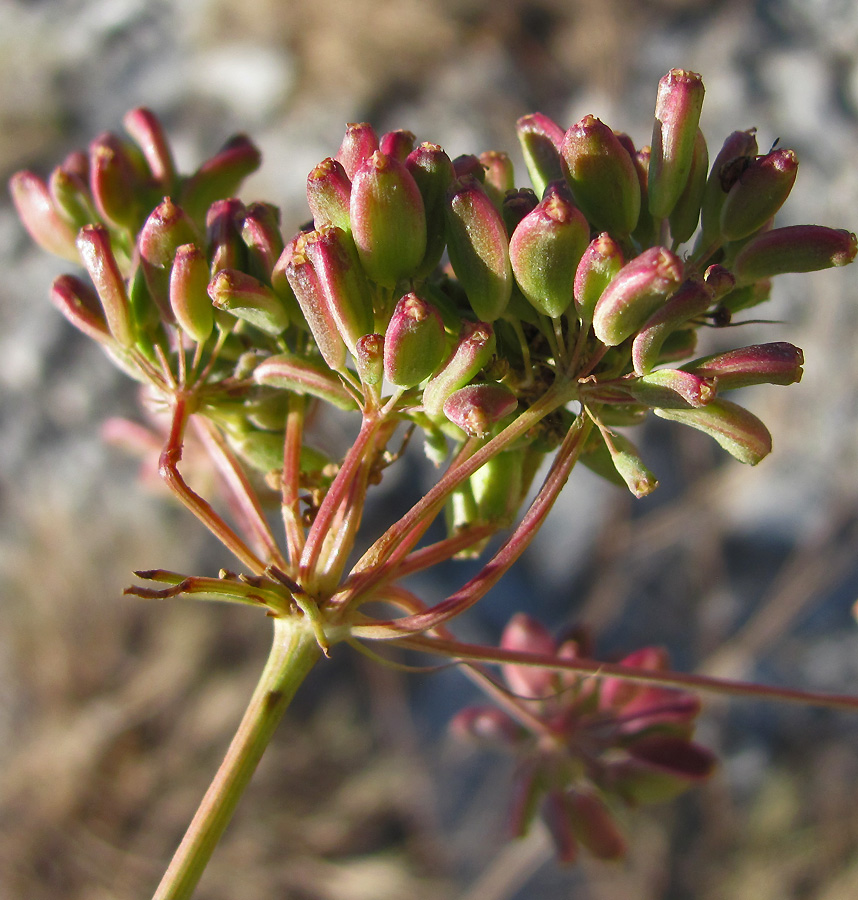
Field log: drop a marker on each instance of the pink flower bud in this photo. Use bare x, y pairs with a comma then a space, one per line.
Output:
40, 217
93, 243
220, 176
432, 171
636, 292
414, 342
469, 166
499, 175
148, 133
479, 248
795, 248
388, 220
526, 634
189, 297
540, 139
602, 176
226, 249
248, 299
677, 114
397, 144
476, 408
260, 231
359, 143
79, 304
166, 229
776, 363
759, 192
474, 350
737, 150
599, 264
114, 183
672, 389
328, 194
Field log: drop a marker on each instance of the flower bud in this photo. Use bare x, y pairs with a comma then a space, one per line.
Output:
497, 487
602, 176
248, 299
499, 177
114, 183
526, 634
414, 342
545, 250
71, 197
342, 280
671, 389
432, 171
474, 350
359, 143
397, 144
600, 262
686, 212
630, 467
645, 233
166, 229
775, 363
639, 289
303, 375
677, 114
516, 205
388, 220
479, 248
369, 358
148, 133
189, 297
260, 231
328, 192
691, 299
226, 249
540, 139
221, 176
93, 244
795, 248
79, 304
738, 431
40, 217
476, 408
468, 165
758, 194
594, 825
737, 149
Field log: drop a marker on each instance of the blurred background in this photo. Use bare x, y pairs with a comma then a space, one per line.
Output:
115, 712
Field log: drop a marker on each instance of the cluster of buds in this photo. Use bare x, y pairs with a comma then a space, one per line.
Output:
587, 746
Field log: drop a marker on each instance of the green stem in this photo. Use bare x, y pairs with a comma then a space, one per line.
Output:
294, 652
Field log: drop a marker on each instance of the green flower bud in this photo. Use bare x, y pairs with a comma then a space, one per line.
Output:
40, 217
540, 139
671, 389
599, 264
473, 352
388, 220
738, 431
628, 464
677, 114
219, 177
397, 144
795, 248
359, 143
733, 155
305, 376
545, 251
70, 193
479, 248
636, 292
248, 299
758, 193
369, 358
93, 244
497, 487
476, 408
148, 133
114, 183
686, 212
260, 231
690, 300
775, 363
432, 171
328, 194
499, 177
189, 297
414, 343
602, 176
79, 304
166, 229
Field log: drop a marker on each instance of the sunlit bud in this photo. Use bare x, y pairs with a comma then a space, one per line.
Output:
414, 342
499, 177
558, 819
469, 165
328, 193
248, 299
342, 280
686, 212
476, 408
397, 144
220, 176
78, 303
677, 114
497, 487
719, 280
479, 249
630, 467
189, 297
388, 220
692, 299
776, 363
77, 163
735, 153
795, 248
600, 262
71, 197
474, 350
594, 825
540, 138
359, 143
148, 133
432, 171
166, 229
485, 725
738, 431
260, 231
525, 634
40, 217
639, 288
369, 358
226, 249
308, 292
545, 251
672, 389
303, 375
516, 205
759, 192
602, 176
114, 182
93, 243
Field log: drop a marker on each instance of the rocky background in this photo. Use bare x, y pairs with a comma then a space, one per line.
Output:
114, 712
